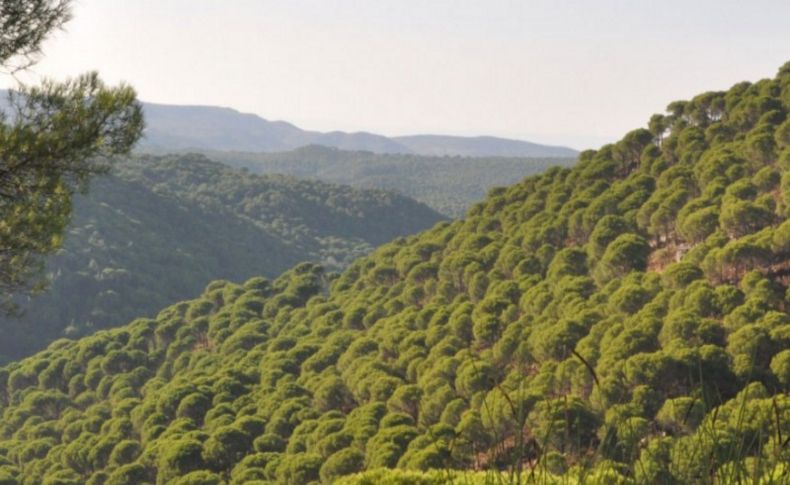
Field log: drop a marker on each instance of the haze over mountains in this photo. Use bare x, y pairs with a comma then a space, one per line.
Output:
174, 127
199, 128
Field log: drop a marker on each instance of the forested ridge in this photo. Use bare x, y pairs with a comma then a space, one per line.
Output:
159, 228
448, 184
622, 321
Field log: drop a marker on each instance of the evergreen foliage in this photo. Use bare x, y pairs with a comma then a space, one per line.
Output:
537, 338
158, 229
53, 138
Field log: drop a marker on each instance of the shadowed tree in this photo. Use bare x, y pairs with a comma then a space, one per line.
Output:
24, 25
53, 138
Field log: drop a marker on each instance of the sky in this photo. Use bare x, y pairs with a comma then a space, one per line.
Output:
575, 73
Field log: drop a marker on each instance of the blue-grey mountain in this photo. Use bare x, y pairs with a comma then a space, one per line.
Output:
173, 127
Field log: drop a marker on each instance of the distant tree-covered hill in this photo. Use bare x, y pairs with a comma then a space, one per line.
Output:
449, 185
174, 127
623, 321
480, 146
160, 228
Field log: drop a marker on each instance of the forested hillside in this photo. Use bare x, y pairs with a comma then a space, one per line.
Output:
449, 185
160, 228
622, 321
481, 146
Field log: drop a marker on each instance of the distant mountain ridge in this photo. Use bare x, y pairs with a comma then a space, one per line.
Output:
177, 127
199, 128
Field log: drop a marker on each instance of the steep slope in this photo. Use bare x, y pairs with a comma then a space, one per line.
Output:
161, 228
173, 127
449, 185
623, 321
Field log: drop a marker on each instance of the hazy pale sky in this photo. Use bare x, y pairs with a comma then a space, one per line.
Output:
578, 73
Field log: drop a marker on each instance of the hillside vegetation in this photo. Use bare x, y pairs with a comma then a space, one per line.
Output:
160, 228
449, 185
622, 321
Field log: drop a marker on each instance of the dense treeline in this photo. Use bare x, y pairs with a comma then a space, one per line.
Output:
160, 228
449, 185
623, 321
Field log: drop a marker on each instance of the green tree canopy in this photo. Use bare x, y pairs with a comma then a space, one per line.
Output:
53, 138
